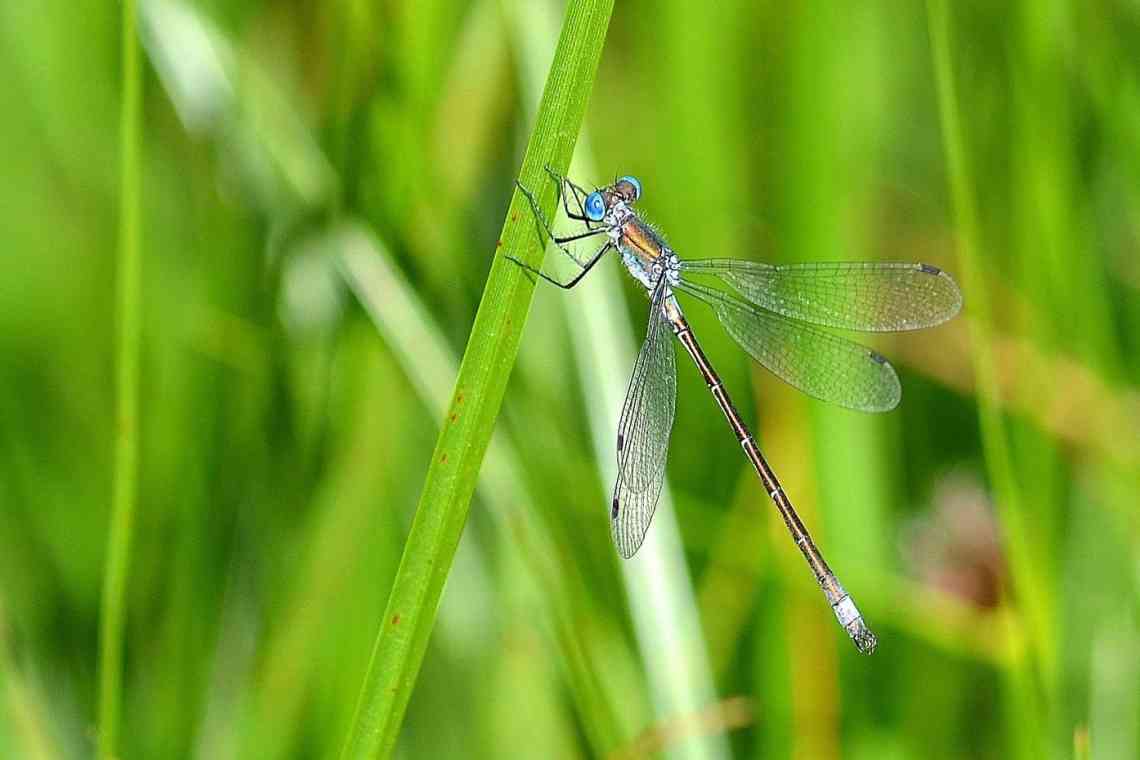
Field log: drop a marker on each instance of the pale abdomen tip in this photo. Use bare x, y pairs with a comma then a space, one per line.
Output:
852, 622
865, 641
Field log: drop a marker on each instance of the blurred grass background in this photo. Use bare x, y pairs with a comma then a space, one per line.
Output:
322, 190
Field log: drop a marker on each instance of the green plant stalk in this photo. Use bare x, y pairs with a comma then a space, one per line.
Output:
479, 389
125, 483
995, 441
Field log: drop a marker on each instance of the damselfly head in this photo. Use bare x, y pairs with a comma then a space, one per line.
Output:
627, 188
598, 203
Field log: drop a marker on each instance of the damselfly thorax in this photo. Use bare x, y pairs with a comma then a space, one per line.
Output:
779, 318
643, 250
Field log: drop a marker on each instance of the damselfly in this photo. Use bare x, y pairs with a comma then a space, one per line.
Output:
778, 318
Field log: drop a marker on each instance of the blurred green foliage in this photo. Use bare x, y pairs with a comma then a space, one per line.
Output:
323, 185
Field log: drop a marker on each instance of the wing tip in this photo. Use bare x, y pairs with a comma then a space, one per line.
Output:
954, 307
625, 542
888, 401
625, 545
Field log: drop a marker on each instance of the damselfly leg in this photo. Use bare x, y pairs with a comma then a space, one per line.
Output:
560, 241
577, 192
573, 280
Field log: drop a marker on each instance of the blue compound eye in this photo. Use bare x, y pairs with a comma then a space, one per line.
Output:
595, 207
636, 185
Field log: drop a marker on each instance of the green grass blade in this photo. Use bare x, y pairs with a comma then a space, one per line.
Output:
125, 485
478, 395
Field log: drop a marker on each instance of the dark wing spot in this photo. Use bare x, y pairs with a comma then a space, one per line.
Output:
877, 357
929, 269
614, 511
621, 441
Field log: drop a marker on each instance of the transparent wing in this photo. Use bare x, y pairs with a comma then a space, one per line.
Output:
869, 296
820, 364
643, 433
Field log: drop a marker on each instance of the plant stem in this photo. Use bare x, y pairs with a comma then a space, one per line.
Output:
479, 389
125, 484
